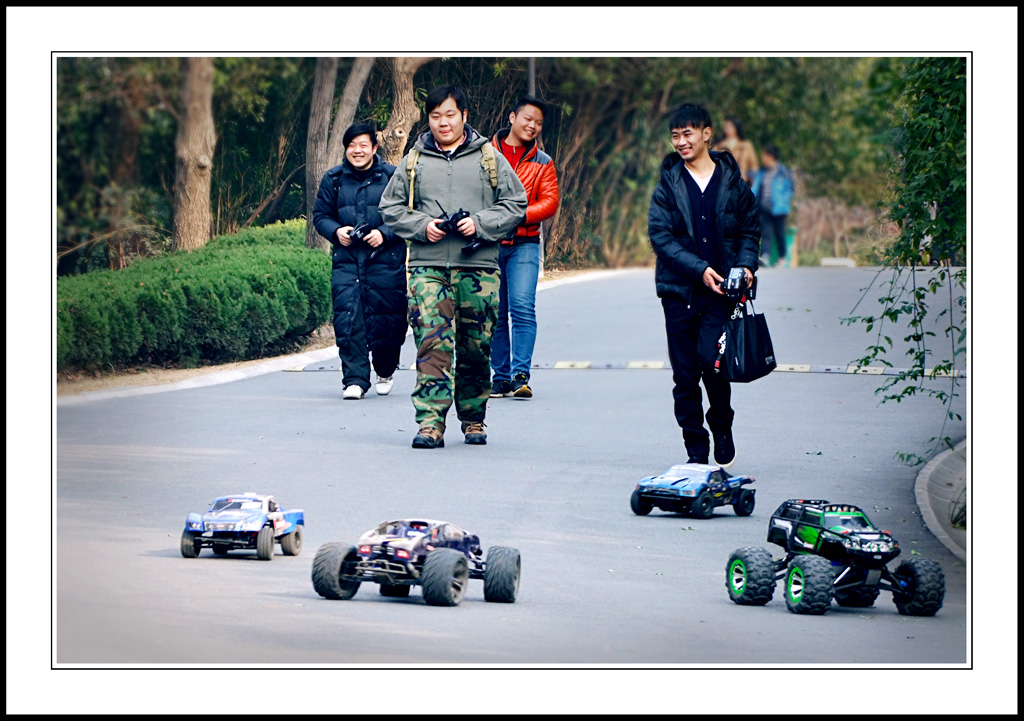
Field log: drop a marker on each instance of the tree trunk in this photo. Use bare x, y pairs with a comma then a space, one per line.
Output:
194, 147
404, 112
357, 78
316, 142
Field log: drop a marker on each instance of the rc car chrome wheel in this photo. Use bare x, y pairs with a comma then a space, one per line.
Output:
334, 571
189, 544
399, 590
445, 577
501, 574
265, 543
291, 544
809, 585
923, 587
639, 505
703, 506
749, 577
745, 505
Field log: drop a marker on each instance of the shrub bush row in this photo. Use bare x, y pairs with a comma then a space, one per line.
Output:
233, 299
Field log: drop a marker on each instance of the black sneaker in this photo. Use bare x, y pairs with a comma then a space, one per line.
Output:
428, 437
520, 387
702, 461
475, 434
725, 451
500, 389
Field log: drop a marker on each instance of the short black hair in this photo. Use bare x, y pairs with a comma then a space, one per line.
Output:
689, 115
772, 150
439, 95
354, 131
531, 100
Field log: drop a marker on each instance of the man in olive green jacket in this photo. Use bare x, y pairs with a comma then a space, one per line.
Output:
453, 273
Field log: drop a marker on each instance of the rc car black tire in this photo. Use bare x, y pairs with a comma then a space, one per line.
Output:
189, 544
639, 505
744, 506
749, 577
857, 597
809, 585
291, 543
703, 506
924, 587
399, 590
501, 574
220, 549
334, 561
445, 577
265, 543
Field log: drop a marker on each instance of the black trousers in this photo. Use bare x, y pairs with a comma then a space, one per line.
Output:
693, 328
773, 230
355, 356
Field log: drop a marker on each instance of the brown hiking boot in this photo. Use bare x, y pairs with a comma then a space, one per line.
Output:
475, 434
428, 437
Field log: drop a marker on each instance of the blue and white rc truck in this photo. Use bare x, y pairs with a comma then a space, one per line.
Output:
693, 488
244, 520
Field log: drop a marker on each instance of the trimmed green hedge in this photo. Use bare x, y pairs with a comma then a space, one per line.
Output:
233, 299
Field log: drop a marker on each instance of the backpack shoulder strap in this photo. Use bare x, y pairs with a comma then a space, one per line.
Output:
489, 163
410, 170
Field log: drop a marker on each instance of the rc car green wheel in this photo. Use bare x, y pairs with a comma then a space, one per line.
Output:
334, 569
745, 505
857, 597
924, 587
291, 544
220, 549
809, 585
501, 574
639, 505
445, 577
749, 577
399, 590
703, 506
265, 543
189, 544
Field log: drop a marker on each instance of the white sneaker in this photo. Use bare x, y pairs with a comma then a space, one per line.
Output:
384, 385
353, 393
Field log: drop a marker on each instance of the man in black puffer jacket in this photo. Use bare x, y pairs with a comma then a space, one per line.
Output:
368, 283
703, 222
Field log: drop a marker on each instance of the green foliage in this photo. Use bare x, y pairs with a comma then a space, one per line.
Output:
927, 104
236, 298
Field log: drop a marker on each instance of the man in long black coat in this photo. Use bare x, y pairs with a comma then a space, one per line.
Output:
703, 222
368, 281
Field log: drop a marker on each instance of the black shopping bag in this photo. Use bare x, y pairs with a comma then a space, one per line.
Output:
745, 350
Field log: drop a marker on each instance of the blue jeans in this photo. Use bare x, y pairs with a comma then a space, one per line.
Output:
512, 350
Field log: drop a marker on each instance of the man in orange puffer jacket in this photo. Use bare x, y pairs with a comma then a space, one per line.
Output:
515, 332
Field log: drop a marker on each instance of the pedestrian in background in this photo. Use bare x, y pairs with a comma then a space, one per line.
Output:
368, 286
453, 273
515, 333
703, 221
735, 142
773, 186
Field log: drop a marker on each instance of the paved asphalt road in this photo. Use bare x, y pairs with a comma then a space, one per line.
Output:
599, 584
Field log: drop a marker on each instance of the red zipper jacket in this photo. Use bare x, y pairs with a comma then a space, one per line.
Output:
536, 170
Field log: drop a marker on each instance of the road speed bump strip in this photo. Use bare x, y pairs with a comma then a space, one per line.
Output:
794, 367
572, 364
646, 364
866, 370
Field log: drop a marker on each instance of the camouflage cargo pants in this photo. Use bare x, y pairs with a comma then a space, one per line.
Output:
452, 312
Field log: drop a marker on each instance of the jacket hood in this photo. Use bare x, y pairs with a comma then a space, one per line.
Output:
425, 141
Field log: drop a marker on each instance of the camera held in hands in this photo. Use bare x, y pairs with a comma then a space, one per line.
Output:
736, 288
359, 234
451, 225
